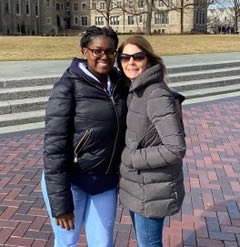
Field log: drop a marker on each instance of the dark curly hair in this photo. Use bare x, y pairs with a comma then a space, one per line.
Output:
94, 31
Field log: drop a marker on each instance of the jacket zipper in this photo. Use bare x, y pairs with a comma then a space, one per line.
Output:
115, 141
82, 143
113, 102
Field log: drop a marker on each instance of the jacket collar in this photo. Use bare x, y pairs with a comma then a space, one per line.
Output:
151, 75
74, 68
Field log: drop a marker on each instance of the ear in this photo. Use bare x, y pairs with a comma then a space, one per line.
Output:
84, 51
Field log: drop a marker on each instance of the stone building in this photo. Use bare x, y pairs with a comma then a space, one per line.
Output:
128, 16
60, 17
20, 17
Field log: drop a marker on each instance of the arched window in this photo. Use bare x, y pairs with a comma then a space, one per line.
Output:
84, 6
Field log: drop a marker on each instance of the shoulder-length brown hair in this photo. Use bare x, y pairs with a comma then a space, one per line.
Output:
144, 46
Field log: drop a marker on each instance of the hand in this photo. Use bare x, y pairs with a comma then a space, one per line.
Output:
66, 221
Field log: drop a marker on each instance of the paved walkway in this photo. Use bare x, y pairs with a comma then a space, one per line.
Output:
10, 70
210, 214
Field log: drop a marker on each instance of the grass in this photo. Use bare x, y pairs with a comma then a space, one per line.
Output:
42, 48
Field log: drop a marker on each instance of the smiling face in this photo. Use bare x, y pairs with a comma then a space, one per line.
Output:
100, 55
133, 68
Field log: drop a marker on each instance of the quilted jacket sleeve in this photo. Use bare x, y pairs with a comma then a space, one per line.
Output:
57, 147
161, 111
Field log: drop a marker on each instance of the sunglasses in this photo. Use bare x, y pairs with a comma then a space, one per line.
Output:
137, 57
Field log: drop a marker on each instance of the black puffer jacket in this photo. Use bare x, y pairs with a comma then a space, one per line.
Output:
83, 124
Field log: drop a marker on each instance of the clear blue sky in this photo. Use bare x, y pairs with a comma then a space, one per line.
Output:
221, 4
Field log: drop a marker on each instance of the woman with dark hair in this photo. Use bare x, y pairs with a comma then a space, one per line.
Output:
151, 176
84, 137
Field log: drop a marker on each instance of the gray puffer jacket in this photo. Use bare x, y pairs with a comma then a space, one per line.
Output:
151, 181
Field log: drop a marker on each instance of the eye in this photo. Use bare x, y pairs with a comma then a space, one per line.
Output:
124, 57
111, 52
97, 51
139, 56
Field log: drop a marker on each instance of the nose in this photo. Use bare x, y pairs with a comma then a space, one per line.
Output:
104, 55
131, 60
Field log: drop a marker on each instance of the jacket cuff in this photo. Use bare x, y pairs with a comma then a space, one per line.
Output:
61, 204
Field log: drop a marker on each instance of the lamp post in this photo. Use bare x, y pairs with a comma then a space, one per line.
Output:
20, 12
181, 15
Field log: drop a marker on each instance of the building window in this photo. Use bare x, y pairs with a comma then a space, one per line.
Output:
200, 18
130, 20
102, 5
19, 28
140, 19
84, 6
119, 4
6, 8
58, 6
18, 7
140, 4
130, 4
27, 7
114, 20
48, 20
68, 13
84, 21
161, 18
48, 3
75, 6
99, 20
160, 3
36, 9
75, 20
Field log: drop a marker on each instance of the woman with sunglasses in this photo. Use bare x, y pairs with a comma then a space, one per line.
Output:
151, 176
84, 137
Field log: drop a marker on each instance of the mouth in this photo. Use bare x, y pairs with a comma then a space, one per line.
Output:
103, 61
133, 70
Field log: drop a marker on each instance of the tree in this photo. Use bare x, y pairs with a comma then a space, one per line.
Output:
236, 12
195, 5
105, 9
164, 7
233, 7
147, 8
215, 22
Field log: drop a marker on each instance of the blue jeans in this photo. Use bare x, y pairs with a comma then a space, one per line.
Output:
148, 230
96, 212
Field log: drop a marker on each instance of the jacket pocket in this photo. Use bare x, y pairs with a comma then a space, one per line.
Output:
82, 143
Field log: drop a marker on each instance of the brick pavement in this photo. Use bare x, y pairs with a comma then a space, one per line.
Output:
210, 214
